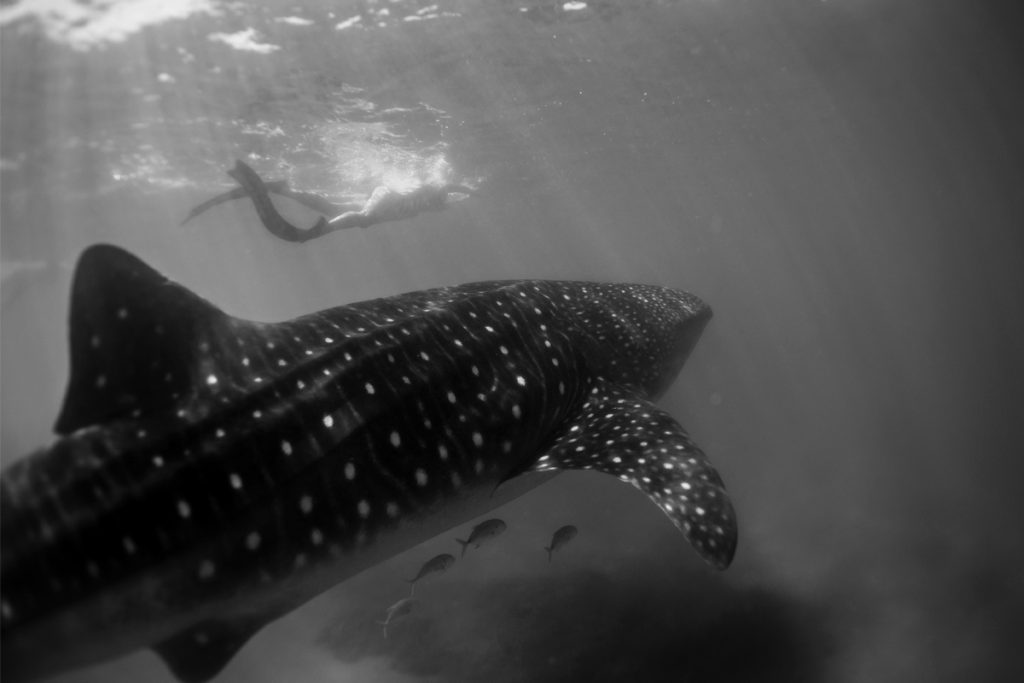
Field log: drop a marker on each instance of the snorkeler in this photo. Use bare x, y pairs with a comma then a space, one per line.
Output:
384, 205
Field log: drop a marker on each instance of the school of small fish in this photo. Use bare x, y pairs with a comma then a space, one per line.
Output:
480, 534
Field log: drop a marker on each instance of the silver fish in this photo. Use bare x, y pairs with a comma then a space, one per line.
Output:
396, 612
482, 533
562, 536
435, 565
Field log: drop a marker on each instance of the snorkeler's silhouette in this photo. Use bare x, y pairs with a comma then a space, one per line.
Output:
384, 205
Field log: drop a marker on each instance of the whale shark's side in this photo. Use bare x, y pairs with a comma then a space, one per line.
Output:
209, 474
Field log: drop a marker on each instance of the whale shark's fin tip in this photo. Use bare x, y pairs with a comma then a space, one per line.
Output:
201, 652
628, 437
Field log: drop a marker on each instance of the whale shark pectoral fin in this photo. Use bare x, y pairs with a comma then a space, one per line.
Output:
628, 437
199, 653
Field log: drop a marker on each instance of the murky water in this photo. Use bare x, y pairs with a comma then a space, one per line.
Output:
839, 180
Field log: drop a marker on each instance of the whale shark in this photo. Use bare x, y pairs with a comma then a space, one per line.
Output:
209, 474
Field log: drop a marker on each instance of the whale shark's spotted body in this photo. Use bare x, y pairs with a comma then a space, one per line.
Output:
212, 473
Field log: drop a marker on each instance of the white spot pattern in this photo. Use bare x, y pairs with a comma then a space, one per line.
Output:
668, 478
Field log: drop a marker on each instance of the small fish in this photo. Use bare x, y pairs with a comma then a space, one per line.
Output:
397, 611
562, 536
436, 565
481, 533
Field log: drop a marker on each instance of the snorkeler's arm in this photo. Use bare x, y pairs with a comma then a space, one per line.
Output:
278, 186
268, 213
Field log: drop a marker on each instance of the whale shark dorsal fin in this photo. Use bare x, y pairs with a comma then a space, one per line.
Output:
199, 653
134, 338
617, 433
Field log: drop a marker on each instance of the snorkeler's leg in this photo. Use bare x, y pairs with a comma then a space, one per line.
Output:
268, 213
349, 219
278, 186
315, 201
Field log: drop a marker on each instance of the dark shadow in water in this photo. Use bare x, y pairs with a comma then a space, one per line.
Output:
589, 626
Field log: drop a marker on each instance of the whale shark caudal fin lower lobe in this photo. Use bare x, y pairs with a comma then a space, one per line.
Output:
133, 339
619, 434
201, 652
